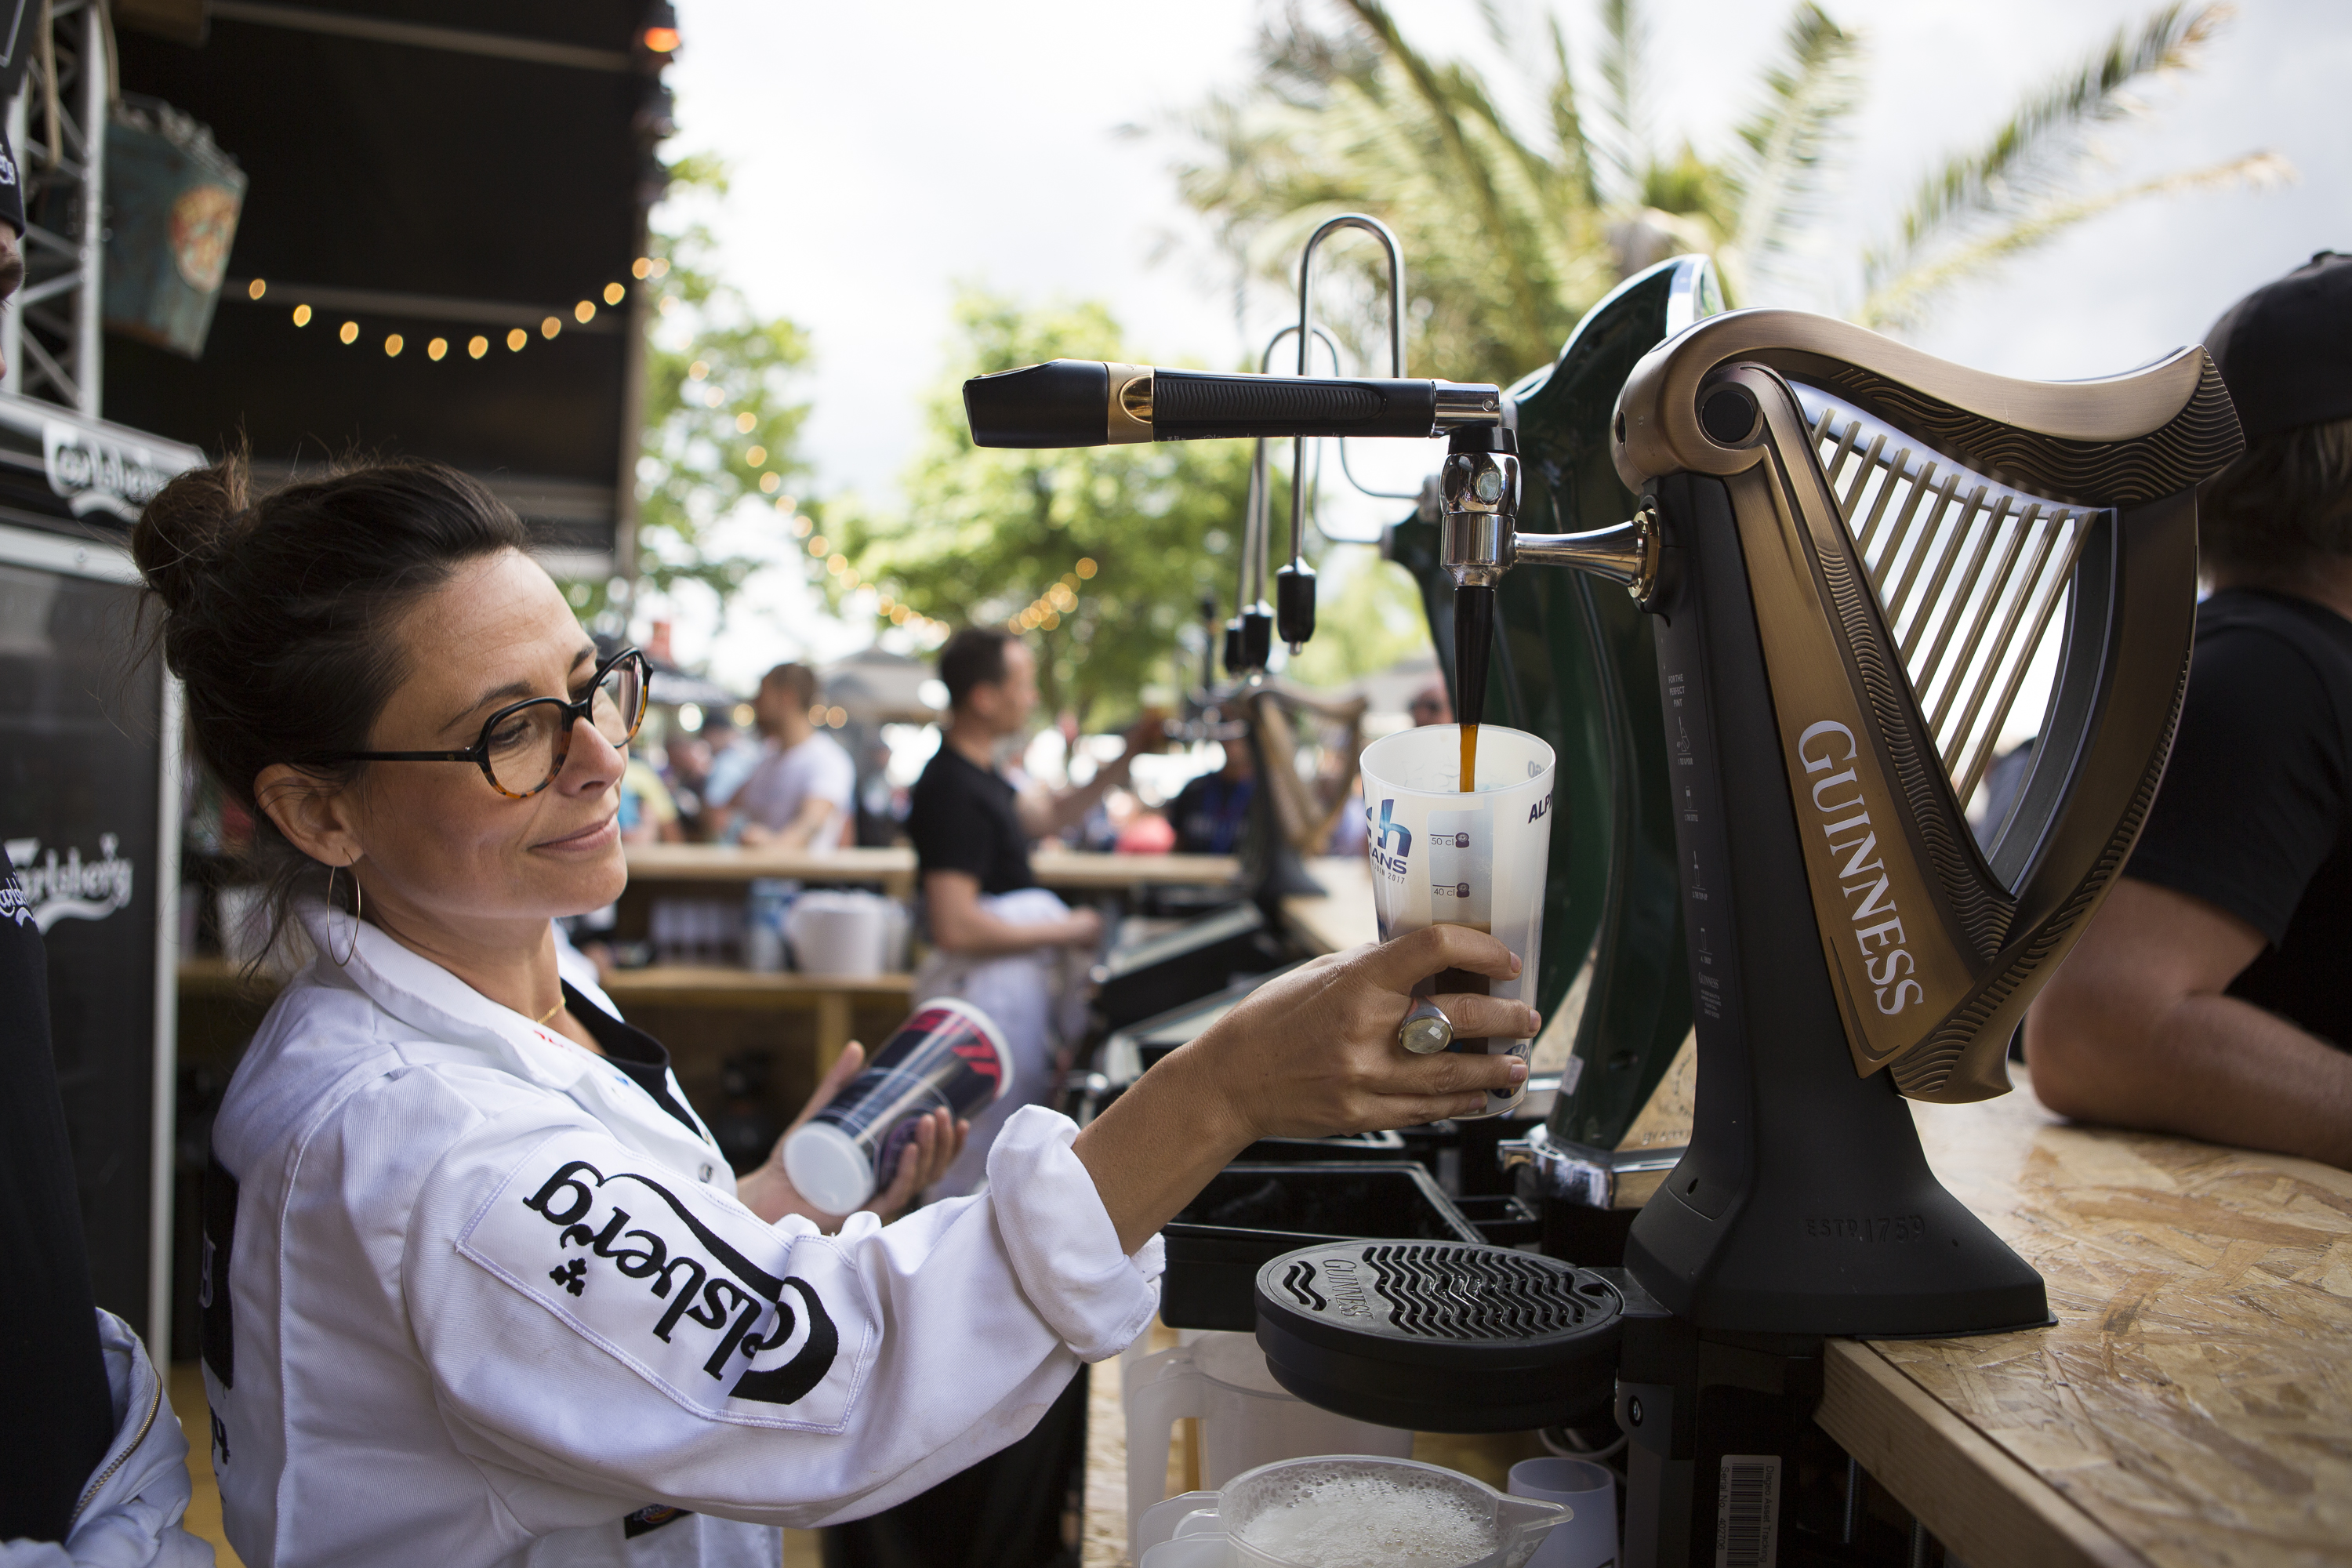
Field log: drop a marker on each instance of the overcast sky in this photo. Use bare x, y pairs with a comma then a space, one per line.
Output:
883, 157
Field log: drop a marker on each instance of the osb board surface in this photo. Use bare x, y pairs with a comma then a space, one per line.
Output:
2195, 1398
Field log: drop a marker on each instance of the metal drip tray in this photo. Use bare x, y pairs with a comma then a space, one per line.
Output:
1439, 1336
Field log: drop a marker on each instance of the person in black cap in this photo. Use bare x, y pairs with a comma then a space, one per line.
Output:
2213, 995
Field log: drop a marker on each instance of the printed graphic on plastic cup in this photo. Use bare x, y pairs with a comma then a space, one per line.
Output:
1443, 858
948, 1057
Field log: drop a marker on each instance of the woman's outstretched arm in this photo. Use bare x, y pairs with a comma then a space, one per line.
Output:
1312, 1054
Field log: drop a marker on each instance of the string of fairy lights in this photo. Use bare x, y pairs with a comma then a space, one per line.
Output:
1044, 613
438, 347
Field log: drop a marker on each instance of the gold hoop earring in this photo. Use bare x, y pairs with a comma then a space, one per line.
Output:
359, 901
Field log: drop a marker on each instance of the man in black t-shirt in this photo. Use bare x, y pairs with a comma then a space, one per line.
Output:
2213, 995
972, 826
1001, 940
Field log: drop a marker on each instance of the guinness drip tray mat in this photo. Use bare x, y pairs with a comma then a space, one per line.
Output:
1439, 1336
1253, 1212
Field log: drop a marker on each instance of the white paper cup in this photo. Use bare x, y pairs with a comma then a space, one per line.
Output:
1441, 857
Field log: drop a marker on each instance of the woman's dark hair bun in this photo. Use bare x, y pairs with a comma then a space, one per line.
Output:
187, 526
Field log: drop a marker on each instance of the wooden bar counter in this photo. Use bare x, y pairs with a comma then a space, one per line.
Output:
2193, 1404
1342, 915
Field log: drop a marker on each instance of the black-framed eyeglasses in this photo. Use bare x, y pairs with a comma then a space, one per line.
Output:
524, 743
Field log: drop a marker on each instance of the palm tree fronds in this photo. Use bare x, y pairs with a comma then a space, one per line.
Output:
2012, 172
1519, 203
1901, 301
1567, 122
1444, 95
1626, 142
1776, 181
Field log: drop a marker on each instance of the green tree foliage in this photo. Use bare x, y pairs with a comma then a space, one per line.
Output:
719, 426
1514, 222
1102, 554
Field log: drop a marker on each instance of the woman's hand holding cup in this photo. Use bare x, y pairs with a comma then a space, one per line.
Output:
1314, 1053
1309, 1055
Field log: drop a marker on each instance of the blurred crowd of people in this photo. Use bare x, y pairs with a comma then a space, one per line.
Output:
786, 781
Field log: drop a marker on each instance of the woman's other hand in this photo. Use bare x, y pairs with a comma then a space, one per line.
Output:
1309, 1055
937, 1139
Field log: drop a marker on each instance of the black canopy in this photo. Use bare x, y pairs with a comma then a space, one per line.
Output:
416, 173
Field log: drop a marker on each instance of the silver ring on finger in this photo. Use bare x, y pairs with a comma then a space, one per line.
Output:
1426, 1030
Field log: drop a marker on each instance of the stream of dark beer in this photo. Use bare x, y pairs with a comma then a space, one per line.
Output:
1474, 638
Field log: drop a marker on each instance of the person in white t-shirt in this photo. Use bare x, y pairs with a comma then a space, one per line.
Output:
799, 793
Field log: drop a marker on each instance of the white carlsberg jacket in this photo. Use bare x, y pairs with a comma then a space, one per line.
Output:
472, 1297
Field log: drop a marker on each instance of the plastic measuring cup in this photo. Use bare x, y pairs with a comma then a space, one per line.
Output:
1515, 1526
1479, 859
1246, 1418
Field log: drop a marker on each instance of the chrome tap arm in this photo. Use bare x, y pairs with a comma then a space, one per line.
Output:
1479, 494
1626, 554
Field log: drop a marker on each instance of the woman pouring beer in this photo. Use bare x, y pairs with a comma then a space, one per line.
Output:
478, 1287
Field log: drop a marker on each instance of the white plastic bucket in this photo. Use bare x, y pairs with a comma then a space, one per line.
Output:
1246, 1418
1211, 1529
844, 935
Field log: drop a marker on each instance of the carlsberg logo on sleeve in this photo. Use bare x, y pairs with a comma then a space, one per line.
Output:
689, 1291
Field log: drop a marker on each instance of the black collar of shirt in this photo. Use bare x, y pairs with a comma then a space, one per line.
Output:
634, 1051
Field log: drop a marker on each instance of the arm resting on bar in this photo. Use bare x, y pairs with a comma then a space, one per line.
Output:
2136, 1031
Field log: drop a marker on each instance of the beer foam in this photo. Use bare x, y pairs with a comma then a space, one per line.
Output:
1338, 1519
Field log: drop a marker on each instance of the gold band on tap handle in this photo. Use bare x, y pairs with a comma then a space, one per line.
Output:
1127, 418
1897, 628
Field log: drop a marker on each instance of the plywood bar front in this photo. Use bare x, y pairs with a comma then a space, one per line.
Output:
893, 870
1081, 871
833, 998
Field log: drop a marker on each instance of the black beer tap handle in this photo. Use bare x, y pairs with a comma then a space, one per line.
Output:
1088, 403
1193, 405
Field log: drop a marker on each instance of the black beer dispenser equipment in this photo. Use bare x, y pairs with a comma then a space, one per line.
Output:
1850, 553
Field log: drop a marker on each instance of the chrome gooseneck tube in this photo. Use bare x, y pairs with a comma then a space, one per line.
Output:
1294, 583
1249, 639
